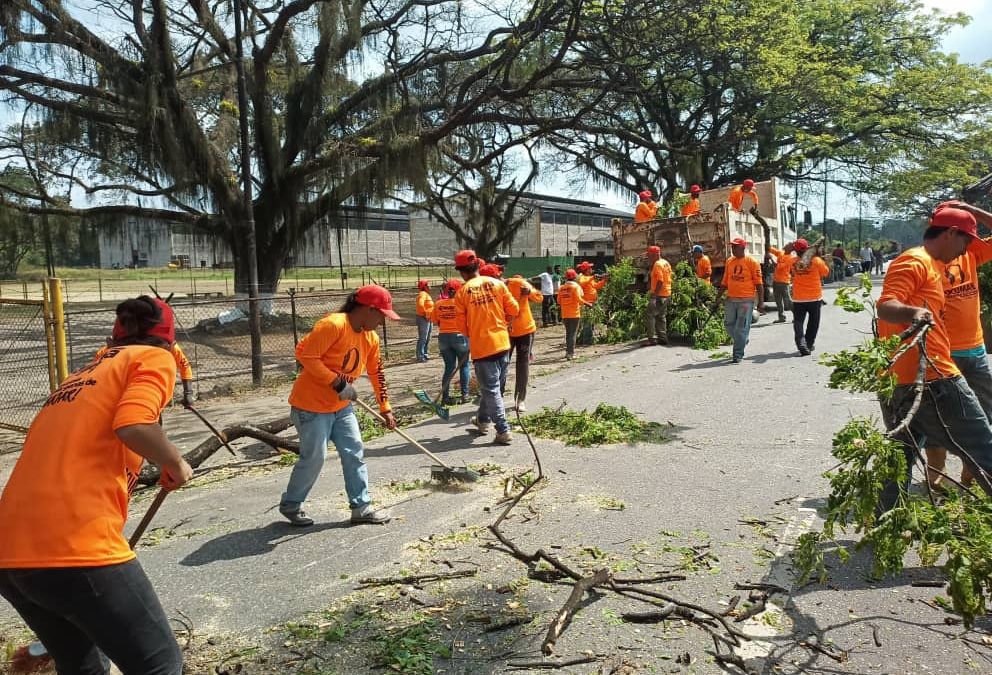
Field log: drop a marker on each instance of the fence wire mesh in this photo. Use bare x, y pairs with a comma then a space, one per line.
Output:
24, 378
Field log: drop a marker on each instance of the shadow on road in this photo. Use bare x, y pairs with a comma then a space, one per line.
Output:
247, 543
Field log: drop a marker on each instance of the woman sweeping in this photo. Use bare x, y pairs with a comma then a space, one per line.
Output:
341, 347
64, 563
452, 344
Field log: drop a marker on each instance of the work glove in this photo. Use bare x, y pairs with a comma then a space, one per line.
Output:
345, 390
187, 395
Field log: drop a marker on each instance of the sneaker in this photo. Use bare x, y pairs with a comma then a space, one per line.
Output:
366, 515
736, 359
447, 400
651, 342
297, 517
465, 399
521, 407
481, 427
503, 439
569, 357
804, 350
781, 319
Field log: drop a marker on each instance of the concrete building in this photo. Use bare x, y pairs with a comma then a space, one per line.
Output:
553, 228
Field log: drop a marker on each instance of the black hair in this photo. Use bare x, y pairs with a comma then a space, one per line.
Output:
350, 303
137, 316
933, 232
471, 268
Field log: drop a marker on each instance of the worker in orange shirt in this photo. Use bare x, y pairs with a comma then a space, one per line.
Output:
949, 414
742, 283
425, 305
691, 207
571, 301
452, 344
482, 307
807, 293
743, 191
183, 367
704, 268
522, 329
591, 284
65, 565
341, 347
782, 277
659, 297
647, 208
963, 321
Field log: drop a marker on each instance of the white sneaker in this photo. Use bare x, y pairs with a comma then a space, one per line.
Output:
481, 427
521, 407
368, 515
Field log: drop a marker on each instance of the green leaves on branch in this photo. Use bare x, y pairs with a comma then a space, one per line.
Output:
606, 425
864, 369
618, 308
856, 298
691, 307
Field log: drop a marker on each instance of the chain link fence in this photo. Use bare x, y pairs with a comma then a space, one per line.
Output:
25, 374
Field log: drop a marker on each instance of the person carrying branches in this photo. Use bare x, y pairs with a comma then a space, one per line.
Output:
948, 414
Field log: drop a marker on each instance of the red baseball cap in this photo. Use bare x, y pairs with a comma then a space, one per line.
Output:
584, 265
423, 285
570, 274
490, 270
165, 328
748, 183
465, 258
800, 244
378, 298
695, 188
654, 249
453, 285
644, 194
738, 242
950, 216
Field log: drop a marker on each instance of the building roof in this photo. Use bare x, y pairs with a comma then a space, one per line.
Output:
594, 236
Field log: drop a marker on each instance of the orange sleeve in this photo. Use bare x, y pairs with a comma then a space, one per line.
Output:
902, 279
756, 273
461, 320
182, 363
149, 387
706, 269
309, 351
377, 376
778, 253
983, 254
824, 268
510, 305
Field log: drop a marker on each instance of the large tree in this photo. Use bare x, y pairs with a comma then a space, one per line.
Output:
713, 91
348, 100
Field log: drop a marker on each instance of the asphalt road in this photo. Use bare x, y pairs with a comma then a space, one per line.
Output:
742, 473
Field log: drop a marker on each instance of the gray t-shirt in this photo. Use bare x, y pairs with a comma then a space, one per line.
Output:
547, 283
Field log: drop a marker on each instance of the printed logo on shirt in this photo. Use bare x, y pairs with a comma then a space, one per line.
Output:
737, 272
349, 364
481, 294
68, 392
955, 275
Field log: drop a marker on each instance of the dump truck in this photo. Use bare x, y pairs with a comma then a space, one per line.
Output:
713, 228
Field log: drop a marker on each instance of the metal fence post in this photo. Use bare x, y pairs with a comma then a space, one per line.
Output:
46, 310
99, 286
24, 289
292, 310
58, 324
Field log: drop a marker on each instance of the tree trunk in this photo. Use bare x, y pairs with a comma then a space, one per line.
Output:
270, 264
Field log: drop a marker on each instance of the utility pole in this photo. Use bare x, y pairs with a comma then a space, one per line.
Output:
251, 250
825, 166
860, 206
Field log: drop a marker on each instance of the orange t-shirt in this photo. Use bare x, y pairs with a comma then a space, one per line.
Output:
704, 268
66, 501
916, 279
690, 208
661, 271
736, 197
807, 282
783, 265
741, 277
334, 348
445, 316
570, 299
962, 313
182, 363
483, 306
523, 323
646, 211
425, 304
590, 287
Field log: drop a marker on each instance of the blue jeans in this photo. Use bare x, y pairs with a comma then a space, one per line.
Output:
948, 401
424, 327
737, 321
454, 351
489, 374
315, 430
978, 375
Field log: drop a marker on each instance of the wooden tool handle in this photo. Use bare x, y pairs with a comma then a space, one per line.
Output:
147, 518
402, 433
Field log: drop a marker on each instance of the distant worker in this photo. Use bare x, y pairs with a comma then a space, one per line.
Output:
807, 293
522, 329
647, 209
452, 344
840, 262
704, 268
570, 301
691, 207
547, 278
558, 277
425, 305
743, 284
183, 367
590, 283
739, 193
784, 260
659, 297
867, 258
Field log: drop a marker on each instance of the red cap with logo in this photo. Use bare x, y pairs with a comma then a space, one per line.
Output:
738, 242
423, 285
465, 258
800, 245
695, 189
584, 265
644, 194
950, 216
378, 298
748, 183
654, 249
165, 328
452, 286
570, 274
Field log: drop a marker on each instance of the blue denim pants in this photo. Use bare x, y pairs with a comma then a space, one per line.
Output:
315, 430
737, 321
424, 328
947, 401
490, 374
454, 352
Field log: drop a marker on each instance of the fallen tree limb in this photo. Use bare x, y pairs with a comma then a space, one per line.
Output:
416, 578
565, 614
758, 605
266, 433
550, 665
